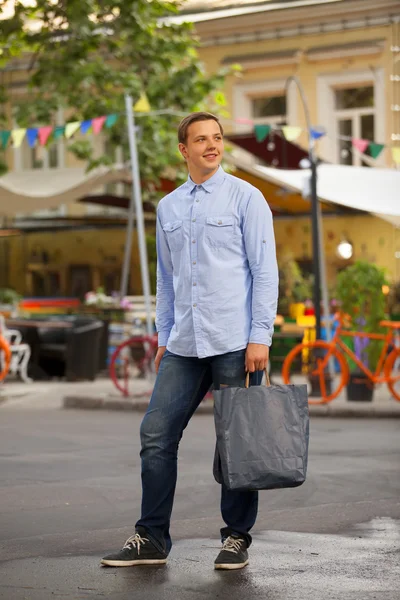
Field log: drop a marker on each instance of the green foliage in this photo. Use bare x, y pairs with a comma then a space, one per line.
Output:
293, 285
394, 300
9, 296
359, 289
85, 55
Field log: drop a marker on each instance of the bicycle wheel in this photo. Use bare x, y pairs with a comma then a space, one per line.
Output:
309, 364
131, 360
391, 370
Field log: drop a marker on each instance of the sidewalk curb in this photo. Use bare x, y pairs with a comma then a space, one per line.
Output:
141, 404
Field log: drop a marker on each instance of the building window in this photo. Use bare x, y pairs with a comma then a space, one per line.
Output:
264, 102
351, 104
269, 109
355, 117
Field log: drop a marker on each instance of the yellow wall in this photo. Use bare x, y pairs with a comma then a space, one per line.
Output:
374, 240
307, 71
101, 249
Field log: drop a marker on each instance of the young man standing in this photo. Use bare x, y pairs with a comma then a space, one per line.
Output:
217, 289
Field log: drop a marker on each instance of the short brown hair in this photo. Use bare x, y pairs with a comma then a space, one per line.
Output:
193, 118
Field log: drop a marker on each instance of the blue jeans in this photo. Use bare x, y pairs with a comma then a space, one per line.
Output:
181, 384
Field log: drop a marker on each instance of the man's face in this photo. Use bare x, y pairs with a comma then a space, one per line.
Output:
204, 147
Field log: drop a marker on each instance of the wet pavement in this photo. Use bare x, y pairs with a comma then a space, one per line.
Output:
362, 564
70, 493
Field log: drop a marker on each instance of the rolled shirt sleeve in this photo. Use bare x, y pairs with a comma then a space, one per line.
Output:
165, 290
259, 241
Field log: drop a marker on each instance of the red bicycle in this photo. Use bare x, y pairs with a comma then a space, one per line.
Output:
131, 360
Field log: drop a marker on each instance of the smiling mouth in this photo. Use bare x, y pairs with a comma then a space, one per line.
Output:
210, 155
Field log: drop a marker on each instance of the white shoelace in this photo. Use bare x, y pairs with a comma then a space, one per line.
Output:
135, 541
232, 545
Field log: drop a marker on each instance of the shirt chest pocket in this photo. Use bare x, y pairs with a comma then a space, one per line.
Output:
219, 231
174, 233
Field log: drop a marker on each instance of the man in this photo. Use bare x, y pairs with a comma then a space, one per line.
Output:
217, 287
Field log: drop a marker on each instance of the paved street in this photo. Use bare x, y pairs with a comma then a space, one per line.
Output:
70, 492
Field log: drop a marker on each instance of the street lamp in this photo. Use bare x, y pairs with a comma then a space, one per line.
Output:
315, 214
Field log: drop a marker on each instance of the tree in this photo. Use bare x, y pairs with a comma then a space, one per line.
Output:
85, 54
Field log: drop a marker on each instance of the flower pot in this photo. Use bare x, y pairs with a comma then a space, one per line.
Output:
296, 310
359, 388
316, 386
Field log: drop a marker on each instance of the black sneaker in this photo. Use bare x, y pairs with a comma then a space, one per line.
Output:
138, 550
233, 554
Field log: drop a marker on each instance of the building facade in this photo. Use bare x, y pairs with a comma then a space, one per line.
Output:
346, 53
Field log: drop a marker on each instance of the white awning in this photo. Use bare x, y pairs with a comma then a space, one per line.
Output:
32, 190
376, 191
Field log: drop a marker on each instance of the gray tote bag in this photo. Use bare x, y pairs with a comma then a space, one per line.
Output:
262, 436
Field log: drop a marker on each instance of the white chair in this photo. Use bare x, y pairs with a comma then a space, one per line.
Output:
20, 353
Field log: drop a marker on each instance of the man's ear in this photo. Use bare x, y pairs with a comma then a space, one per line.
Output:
183, 150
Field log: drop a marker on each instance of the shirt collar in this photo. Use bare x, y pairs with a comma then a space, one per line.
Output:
211, 183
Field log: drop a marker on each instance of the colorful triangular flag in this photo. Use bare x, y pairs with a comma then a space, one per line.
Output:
291, 133
97, 124
71, 128
396, 155
361, 145
317, 133
31, 136
244, 121
58, 132
44, 134
142, 105
17, 135
4, 137
375, 149
262, 132
86, 125
111, 120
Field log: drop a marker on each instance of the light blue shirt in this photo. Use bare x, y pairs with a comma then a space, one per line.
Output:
217, 277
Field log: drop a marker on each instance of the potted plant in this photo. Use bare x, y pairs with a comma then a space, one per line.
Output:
359, 289
9, 300
294, 287
394, 301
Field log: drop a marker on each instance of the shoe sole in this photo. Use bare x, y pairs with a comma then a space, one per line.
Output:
133, 563
231, 566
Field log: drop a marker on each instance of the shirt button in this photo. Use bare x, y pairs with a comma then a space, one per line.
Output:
195, 284
193, 220
194, 305
219, 222
264, 241
194, 262
197, 200
193, 241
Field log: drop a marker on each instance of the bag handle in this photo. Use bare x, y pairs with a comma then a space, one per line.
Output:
267, 380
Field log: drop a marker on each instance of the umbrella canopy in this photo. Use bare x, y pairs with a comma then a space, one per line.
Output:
361, 188
274, 150
32, 190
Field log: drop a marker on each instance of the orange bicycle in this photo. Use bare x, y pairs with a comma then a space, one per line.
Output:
5, 357
324, 363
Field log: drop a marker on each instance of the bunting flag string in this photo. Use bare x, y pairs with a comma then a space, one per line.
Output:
292, 133
43, 135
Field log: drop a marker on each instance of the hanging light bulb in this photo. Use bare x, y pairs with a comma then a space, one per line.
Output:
345, 249
271, 147
344, 153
